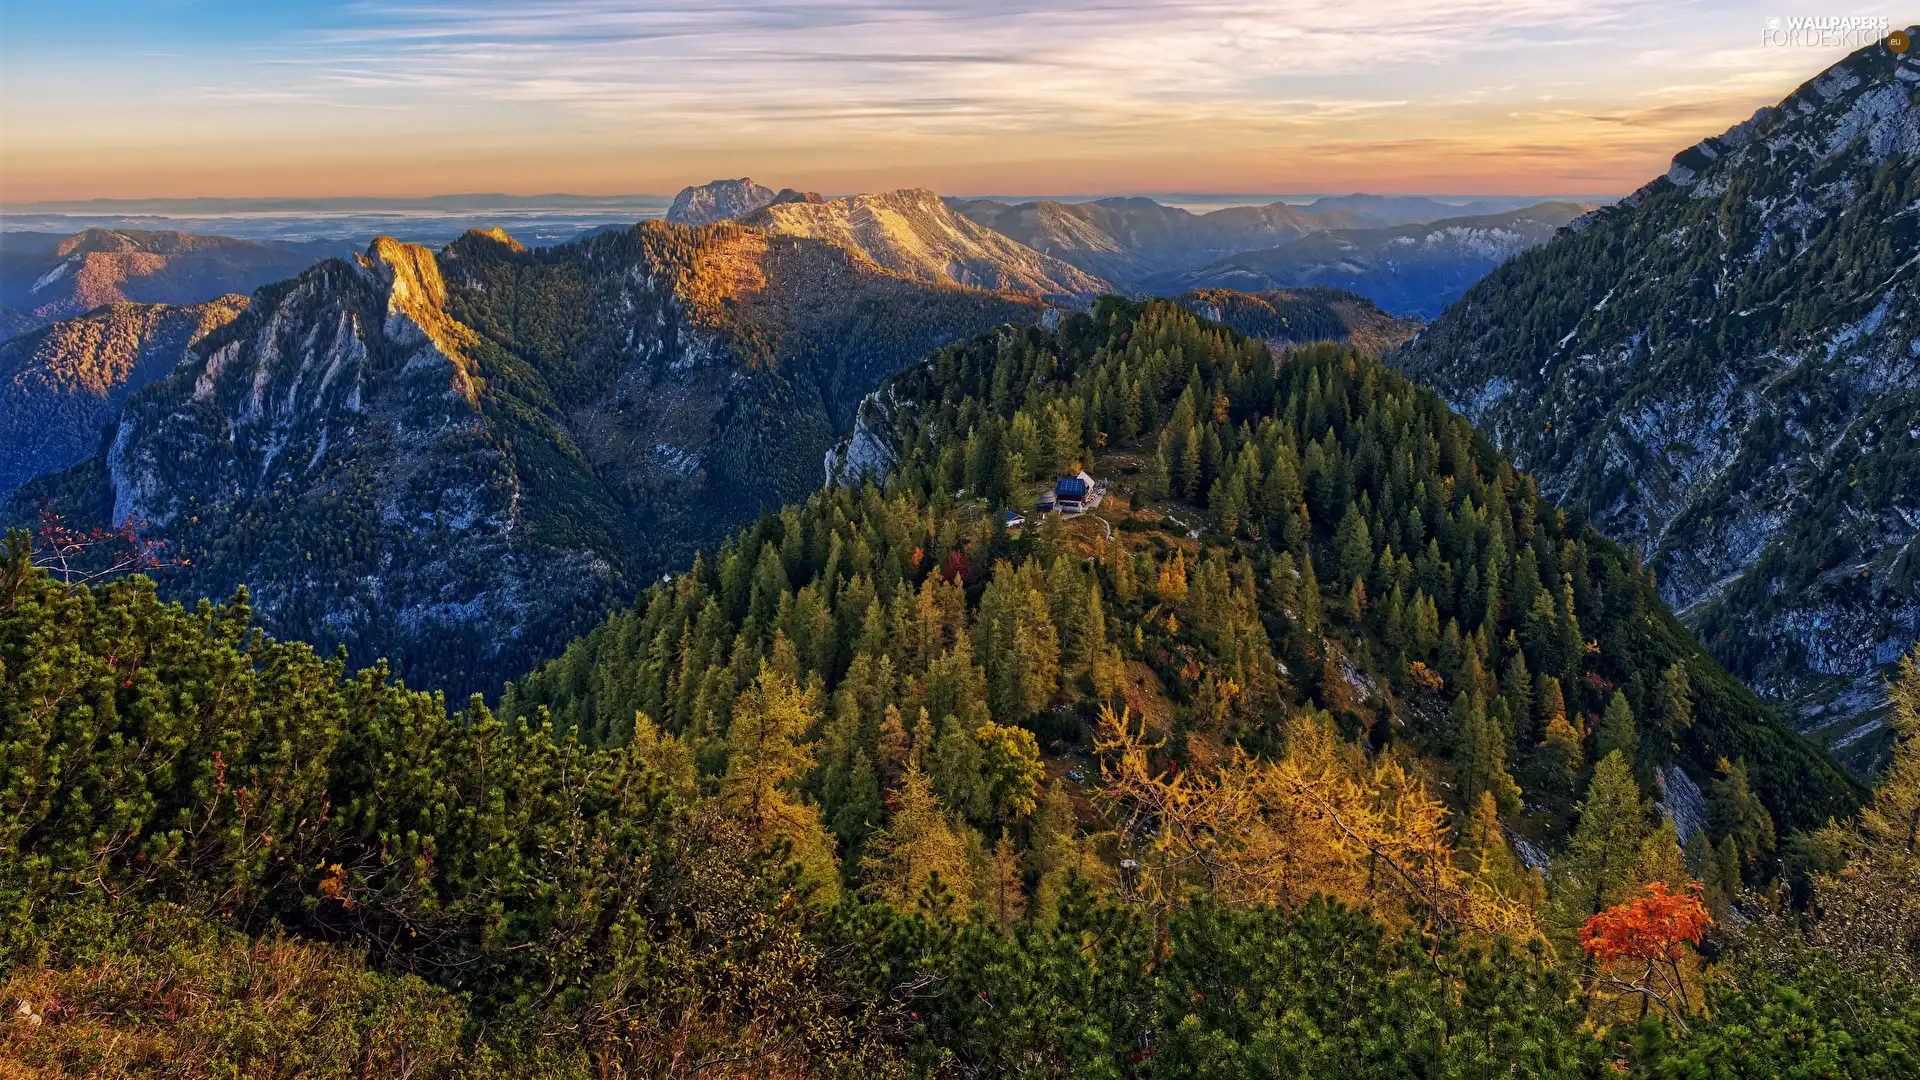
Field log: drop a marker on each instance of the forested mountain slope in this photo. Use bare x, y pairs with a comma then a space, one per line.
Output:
64, 384
1407, 270
1289, 317
884, 790
1721, 371
105, 266
457, 460
1432, 548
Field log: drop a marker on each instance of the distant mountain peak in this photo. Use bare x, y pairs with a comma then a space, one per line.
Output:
718, 200
96, 267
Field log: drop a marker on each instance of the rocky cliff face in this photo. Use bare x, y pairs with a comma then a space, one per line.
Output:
1723, 369
105, 266
912, 232
457, 459
1407, 270
718, 200
62, 385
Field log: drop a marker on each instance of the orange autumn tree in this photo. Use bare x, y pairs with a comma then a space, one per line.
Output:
1654, 936
1324, 818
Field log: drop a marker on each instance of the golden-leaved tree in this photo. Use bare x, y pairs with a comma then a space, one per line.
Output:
765, 760
919, 849
1870, 905
1324, 817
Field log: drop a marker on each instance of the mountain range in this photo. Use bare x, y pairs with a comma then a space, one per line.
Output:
912, 232
75, 274
1413, 269
453, 458
1128, 240
450, 457
1722, 370
1409, 254
1318, 738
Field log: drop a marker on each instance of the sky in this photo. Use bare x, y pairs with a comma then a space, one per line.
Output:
184, 98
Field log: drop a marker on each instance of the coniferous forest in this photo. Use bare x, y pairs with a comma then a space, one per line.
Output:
1325, 746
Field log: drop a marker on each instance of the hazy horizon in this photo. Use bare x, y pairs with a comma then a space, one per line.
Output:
1221, 198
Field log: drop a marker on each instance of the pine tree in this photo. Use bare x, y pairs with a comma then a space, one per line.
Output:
1516, 685
765, 758
1675, 699
1171, 585
955, 770
1482, 757
1010, 769
1353, 544
895, 744
1053, 851
1492, 860
1186, 473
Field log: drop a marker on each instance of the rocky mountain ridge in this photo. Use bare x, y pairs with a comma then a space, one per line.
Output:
1721, 369
913, 232
718, 200
62, 385
1129, 240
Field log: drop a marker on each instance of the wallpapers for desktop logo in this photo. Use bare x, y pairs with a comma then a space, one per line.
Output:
1828, 31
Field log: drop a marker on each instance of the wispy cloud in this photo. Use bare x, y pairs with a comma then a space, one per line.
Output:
993, 62
975, 94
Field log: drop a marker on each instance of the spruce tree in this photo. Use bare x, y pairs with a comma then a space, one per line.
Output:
1736, 814
1617, 730
1603, 855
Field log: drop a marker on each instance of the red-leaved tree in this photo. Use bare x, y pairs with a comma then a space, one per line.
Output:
1653, 935
84, 556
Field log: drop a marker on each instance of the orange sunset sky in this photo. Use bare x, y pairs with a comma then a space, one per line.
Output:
176, 98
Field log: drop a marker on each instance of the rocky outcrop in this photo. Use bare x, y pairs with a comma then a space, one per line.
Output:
866, 454
1722, 370
718, 200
